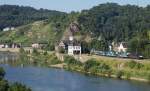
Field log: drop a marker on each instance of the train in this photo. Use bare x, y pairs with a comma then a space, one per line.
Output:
119, 55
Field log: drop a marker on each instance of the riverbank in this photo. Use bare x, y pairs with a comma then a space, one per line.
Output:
63, 66
52, 79
128, 70
100, 66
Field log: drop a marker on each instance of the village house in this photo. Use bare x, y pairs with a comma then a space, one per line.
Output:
40, 45
121, 47
62, 44
15, 45
35, 45
2, 45
8, 28
73, 47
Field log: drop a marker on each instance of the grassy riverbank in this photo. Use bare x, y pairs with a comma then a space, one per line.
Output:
122, 69
131, 70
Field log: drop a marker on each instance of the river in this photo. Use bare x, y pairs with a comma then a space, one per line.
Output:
50, 79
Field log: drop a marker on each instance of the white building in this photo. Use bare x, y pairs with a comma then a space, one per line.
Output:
35, 45
123, 46
2, 45
8, 28
73, 48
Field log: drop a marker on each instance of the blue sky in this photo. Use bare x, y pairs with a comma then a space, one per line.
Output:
70, 5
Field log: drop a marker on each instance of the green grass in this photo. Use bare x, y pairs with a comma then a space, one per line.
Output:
31, 33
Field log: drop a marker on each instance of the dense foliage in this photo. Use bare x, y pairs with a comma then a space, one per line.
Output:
112, 68
71, 61
114, 22
5, 86
12, 15
99, 27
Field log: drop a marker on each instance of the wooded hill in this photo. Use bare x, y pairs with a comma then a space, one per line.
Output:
13, 15
99, 26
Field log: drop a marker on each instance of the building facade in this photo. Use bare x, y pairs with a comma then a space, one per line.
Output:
73, 47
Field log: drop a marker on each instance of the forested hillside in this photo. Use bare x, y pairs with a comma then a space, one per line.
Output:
114, 22
111, 22
12, 15
98, 26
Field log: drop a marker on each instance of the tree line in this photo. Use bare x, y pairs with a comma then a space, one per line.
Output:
115, 23
13, 15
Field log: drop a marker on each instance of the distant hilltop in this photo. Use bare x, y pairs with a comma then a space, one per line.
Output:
13, 15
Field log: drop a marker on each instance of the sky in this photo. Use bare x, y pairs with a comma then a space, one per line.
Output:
70, 5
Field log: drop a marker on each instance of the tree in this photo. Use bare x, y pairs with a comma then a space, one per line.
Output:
18, 87
5, 86
2, 73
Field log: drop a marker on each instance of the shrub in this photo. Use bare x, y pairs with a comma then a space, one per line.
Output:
127, 75
148, 77
18, 87
71, 61
90, 63
139, 66
95, 66
2, 73
45, 53
131, 64
134, 64
55, 61
119, 74
4, 85
61, 50
21, 50
35, 51
104, 68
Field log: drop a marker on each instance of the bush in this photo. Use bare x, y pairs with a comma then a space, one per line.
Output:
127, 75
18, 87
104, 68
2, 73
21, 50
131, 64
101, 67
35, 51
90, 63
3, 85
134, 64
71, 61
148, 77
119, 74
61, 50
45, 53
55, 61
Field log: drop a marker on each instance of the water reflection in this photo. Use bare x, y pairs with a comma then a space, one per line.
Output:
6, 57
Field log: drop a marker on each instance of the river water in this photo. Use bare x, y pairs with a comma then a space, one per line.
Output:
50, 79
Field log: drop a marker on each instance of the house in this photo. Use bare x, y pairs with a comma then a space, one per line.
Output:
8, 28
36, 45
2, 45
14, 45
120, 47
62, 44
73, 47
